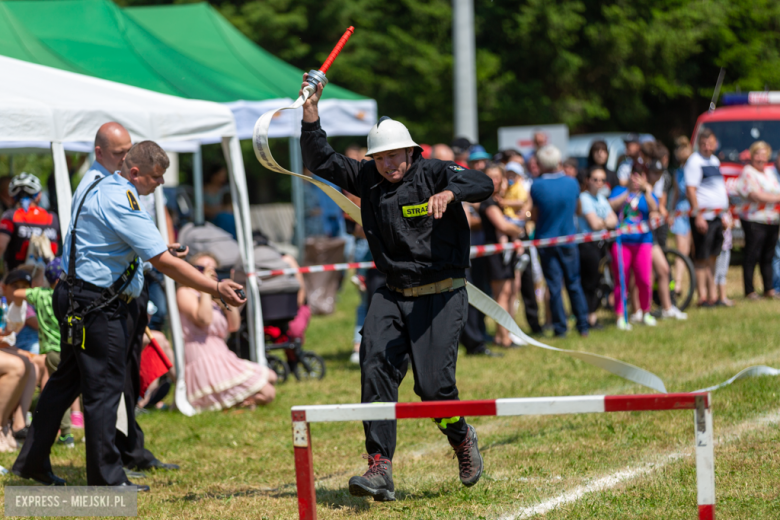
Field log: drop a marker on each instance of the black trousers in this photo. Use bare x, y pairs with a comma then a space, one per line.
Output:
473, 334
131, 447
424, 331
528, 293
97, 372
760, 242
591, 254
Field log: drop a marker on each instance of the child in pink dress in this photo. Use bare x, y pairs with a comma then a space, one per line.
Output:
216, 377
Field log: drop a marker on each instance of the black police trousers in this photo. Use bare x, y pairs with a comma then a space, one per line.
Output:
424, 331
97, 372
131, 446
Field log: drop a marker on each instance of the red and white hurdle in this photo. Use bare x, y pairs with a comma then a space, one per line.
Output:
302, 416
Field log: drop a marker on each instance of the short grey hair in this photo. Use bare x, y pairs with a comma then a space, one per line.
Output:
549, 158
146, 155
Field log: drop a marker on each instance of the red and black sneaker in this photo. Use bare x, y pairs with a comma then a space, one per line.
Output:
377, 482
469, 460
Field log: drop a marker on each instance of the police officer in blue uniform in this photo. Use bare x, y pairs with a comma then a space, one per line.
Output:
109, 233
112, 142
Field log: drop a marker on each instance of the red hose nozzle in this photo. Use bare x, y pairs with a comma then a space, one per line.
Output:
336, 50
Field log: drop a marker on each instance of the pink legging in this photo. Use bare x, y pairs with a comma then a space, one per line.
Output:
637, 258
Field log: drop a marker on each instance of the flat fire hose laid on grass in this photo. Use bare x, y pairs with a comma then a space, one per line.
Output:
477, 298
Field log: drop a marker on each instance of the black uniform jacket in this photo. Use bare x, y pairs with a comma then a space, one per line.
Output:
409, 246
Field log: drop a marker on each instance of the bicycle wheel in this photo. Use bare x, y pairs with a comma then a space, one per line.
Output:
310, 366
682, 280
278, 366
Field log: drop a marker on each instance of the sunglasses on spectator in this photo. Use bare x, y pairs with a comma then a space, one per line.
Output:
598, 179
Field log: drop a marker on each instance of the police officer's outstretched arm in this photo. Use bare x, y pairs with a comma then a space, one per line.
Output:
455, 183
135, 228
318, 156
187, 275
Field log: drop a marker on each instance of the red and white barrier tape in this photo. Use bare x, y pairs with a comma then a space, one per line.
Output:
477, 251
739, 209
492, 249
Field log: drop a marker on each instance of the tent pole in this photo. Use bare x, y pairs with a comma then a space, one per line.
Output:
62, 185
197, 182
296, 166
235, 161
177, 335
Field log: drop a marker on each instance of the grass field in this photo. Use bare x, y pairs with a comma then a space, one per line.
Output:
239, 463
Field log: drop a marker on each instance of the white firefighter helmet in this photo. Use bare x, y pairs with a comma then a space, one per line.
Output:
389, 134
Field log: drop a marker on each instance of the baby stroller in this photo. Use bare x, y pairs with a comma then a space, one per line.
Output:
279, 303
278, 310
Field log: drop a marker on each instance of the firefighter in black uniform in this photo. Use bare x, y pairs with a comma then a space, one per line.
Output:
419, 237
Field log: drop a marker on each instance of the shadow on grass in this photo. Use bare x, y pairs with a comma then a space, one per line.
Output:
340, 498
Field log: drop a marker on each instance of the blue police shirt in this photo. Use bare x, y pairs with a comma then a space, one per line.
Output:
112, 229
95, 172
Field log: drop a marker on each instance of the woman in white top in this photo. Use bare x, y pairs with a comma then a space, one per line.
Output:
759, 185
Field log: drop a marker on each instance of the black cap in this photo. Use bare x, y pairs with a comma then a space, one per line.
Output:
460, 145
18, 275
631, 138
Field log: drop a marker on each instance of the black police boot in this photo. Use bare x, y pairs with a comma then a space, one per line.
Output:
46, 478
377, 482
469, 460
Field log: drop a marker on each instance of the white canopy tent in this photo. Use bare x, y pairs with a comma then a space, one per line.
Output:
42, 107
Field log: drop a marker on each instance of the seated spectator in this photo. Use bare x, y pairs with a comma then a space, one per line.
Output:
13, 379
634, 205
216, 378
758, 184
595, 215
41, 298
27, 223
21, 279
556, 199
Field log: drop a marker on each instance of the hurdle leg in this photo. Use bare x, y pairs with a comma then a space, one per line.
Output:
304, 467
705, 458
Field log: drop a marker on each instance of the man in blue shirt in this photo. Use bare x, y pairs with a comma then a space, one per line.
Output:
109, 232
112, 142
556, 200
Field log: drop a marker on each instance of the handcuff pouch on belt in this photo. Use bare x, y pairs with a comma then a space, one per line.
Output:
76, 315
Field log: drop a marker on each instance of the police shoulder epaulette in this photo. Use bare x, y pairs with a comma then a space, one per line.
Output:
133, 201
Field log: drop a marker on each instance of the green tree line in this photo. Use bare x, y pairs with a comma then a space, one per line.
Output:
632, 65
